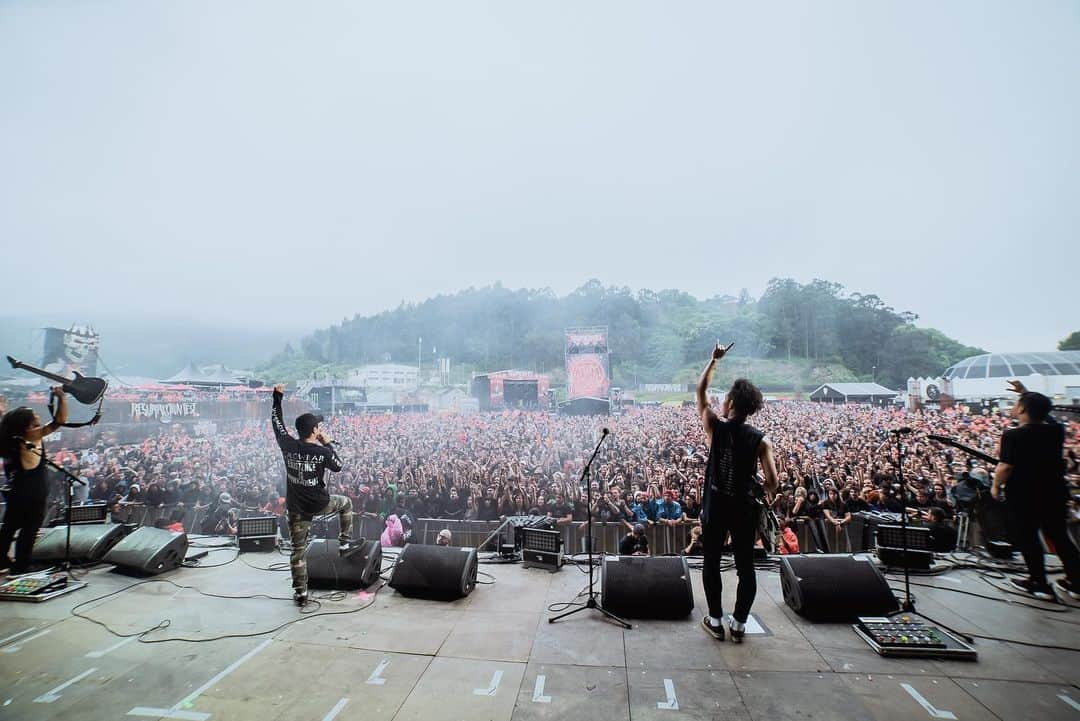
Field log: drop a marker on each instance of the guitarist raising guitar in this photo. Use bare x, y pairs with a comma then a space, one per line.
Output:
22, 448
26, 484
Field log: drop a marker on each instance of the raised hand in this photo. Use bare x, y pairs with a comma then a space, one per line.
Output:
1016, 387
720, 350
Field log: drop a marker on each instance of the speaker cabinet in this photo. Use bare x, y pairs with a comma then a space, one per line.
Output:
835, 588
644, 587
328, 568
89, 542
441, 573
149, 551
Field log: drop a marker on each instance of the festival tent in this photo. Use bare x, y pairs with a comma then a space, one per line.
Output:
190, 373
852, 393
218, 375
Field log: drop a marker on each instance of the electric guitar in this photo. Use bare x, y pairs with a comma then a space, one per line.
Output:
87, 391
985, 458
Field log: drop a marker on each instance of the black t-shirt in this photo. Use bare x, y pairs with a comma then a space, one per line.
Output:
560, 510
943, 504
488, 509
370, 504
631, 544
1035, 453
942, 537
855, 505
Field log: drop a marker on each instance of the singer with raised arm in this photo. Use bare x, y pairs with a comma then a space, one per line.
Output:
26, 487
729, 505
306, 463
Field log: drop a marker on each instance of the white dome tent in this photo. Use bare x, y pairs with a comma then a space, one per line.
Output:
984, 377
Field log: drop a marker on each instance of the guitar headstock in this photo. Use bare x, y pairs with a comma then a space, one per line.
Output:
14, 363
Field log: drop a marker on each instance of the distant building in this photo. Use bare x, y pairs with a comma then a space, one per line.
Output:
985, 377
852, 393
394, 376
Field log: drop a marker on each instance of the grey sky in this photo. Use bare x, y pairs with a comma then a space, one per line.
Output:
295, 163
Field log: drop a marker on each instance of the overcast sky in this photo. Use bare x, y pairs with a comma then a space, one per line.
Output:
272, 163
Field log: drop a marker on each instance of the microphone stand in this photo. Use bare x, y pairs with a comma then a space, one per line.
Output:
71, 481
909, 602
908, 605
591, 601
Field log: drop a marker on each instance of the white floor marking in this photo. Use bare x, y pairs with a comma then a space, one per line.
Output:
16, 647
336, 710
110, 649
492, 688
1068, 699
175, 711
672, 703
168, 713
53, 695
538, 691
376, 679
753, 628
934, 713
16, 635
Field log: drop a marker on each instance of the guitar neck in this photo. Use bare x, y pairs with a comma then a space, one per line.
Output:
43, 373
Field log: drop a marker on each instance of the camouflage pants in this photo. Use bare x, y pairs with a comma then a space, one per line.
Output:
300, 532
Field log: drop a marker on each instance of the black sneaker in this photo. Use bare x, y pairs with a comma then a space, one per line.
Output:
301, 599
345, 547
1041, 591
716, 632
1063, 588
738, 630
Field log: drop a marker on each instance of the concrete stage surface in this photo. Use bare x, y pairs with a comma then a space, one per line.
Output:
493, 655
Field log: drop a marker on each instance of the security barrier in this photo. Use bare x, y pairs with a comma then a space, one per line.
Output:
663, 540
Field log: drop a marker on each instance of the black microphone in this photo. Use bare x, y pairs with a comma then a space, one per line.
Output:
902, 431
604, 432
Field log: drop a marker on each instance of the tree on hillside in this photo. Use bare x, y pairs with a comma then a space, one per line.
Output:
1072, 342
652, 335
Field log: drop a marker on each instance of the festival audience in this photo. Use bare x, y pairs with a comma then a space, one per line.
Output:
649, 471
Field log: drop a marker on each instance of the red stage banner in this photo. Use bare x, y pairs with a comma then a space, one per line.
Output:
587, 363
586, 376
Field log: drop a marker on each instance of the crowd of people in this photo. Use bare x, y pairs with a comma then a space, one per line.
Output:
833, 461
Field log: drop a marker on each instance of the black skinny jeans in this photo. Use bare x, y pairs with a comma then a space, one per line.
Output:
1025, 521
24, 515
741, 520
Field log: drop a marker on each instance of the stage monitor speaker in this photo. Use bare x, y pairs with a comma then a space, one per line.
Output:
644, 587
89, 542
149, 551
835, 587
328, 568
442, 573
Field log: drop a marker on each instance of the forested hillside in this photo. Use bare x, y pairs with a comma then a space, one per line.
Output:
655, 336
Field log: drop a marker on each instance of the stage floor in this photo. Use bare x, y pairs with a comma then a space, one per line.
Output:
494, 655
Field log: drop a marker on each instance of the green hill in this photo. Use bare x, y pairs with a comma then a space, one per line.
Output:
794, 335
